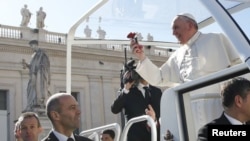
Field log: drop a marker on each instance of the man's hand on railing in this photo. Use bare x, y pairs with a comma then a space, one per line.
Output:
150, 111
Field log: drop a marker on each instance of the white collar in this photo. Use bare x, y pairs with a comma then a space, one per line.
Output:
62, 137
232, 120
140, 85
193, 39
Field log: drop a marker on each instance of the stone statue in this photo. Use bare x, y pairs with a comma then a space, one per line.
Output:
101, 33
40, 17
100, 19
39, 72
87, 19
26, 15
139, 37
87, 31
150, 37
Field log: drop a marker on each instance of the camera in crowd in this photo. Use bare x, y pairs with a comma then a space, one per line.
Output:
128, 74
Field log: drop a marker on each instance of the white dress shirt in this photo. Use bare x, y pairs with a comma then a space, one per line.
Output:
62, 137
233, 121
140, 87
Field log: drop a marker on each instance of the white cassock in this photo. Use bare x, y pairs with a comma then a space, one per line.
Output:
202, 55
210, 53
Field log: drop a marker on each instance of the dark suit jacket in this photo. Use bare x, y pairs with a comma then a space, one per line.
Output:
134, 105
203, 131
51, 137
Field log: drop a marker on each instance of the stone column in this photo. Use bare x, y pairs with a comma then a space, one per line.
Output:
108, 93
96, 92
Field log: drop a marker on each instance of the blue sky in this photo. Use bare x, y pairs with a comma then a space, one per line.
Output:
62, 14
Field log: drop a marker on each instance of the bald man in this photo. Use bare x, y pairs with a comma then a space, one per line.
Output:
64, 113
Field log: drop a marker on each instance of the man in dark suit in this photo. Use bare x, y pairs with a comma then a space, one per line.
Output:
133, 99
64, 113
236, 102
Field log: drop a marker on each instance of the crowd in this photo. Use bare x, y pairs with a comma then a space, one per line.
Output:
139, 93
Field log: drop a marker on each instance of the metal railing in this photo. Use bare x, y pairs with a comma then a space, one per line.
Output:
93, 133
139, 119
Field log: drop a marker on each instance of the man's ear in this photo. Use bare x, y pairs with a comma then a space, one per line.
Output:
54, 115
40, 130
238, 100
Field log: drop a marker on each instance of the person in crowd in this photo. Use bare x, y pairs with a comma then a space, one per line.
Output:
235, 96
137, 96
192, 60
17, 133
150, 111
64, 113
168, 136
40, 17
26, 15
28, 127
108, 135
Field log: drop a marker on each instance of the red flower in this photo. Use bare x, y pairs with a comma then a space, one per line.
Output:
131, 35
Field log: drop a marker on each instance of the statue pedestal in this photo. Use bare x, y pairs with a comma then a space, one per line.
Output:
41, 34
28, 33
40, 111
33, 34
46, 125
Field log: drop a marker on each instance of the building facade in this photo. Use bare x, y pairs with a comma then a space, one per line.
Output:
95, 76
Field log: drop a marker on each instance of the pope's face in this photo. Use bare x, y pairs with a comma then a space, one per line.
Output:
181, 30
